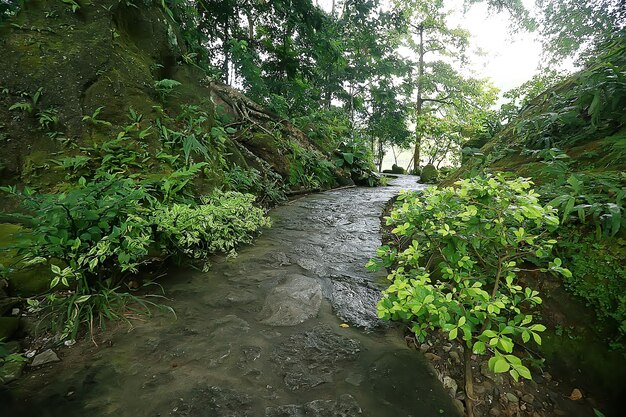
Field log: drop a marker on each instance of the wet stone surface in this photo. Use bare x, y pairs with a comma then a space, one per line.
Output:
262, 334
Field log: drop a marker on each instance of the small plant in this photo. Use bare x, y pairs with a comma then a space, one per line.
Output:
94, 120
165, 87
458, 272
73, 4
28, 106
48, 118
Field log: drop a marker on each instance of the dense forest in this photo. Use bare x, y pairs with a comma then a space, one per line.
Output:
142, 138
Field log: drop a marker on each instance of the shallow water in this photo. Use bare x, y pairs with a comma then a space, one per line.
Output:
230, 352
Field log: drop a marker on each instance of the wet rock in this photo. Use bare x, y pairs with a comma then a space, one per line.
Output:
313, 357
458, 404
278, 259
355, 303
215, 402
47, 356
228, 326
429, 174
345, 406
296, 300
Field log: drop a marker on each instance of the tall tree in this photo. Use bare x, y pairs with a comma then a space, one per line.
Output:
439, 49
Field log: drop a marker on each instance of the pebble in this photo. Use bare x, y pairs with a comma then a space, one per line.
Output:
432, 356
528, 398
455, 355
511, 397
450, 384
424, 347
495, 412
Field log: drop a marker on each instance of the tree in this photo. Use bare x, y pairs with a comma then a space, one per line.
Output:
575, 28
440, 89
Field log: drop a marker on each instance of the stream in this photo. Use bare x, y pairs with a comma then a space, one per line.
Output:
261, 334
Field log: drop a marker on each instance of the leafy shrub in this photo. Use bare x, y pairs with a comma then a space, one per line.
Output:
593, 199
99, 233
309, 168
459, 271
269, 189
356, 157
222, 221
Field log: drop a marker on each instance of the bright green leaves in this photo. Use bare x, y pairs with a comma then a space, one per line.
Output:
509, 363
478, 235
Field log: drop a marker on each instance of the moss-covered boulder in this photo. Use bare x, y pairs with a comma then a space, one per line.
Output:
429, 174
395, 169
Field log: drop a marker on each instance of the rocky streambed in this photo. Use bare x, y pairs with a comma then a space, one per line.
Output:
286, 328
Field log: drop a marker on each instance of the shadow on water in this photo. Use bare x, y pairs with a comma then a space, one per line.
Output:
258, 335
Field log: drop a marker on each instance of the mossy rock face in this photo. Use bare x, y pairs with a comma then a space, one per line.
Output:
395, 169
429, 174
31, 281
10, 371
8, 327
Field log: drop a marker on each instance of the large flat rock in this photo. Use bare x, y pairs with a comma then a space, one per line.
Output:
296, 300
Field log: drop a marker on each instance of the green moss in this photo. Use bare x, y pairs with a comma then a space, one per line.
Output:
429, 174
8, 327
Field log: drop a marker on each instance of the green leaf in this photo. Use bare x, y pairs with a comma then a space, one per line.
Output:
523, 371
453, 333
479, 348
500, 365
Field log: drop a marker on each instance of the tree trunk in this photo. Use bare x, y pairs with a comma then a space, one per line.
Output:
419, 102
469, 382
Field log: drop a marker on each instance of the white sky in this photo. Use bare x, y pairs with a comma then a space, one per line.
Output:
509, 60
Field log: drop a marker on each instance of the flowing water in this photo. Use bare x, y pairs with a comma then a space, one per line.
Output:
258, 335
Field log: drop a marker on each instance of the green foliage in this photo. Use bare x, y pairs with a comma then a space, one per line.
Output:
586, 106
98, 234
220, 223
459, 271
194, 135
165, 87
309, 168
94, 120
355, 157
598, 275
268, 188
28, 106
